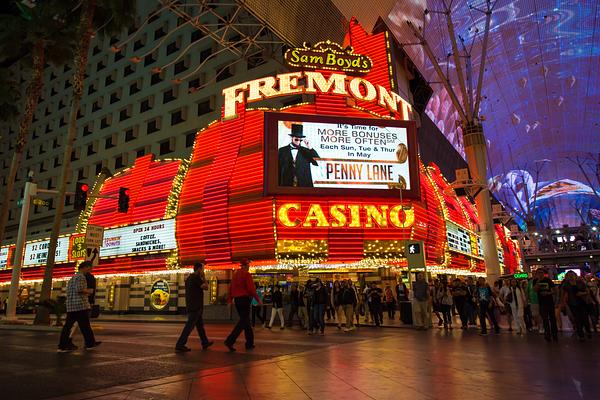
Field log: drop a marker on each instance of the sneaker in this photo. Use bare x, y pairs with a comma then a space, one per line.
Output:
282, 328
69, 347
229, 346
207, 345
96, 344
321, 333
182, 349
250, 347
268, 326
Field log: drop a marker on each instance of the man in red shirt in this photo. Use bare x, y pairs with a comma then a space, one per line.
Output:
241, 291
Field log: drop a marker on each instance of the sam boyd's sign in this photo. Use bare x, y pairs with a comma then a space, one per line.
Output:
328, 55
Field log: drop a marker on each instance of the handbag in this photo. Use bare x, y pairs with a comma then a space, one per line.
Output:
95, 313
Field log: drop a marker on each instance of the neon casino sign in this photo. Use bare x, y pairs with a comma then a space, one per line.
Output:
293, 215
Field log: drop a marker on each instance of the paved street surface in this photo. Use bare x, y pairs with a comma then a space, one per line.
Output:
136, 361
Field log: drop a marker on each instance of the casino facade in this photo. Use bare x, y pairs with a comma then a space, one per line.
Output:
370, 193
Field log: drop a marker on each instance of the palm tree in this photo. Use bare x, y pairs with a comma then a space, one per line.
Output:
43, 36
95, 16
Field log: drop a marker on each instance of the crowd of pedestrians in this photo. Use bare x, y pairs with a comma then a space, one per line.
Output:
529, 305
536, 304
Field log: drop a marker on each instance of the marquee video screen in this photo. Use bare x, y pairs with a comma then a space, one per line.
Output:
309, 154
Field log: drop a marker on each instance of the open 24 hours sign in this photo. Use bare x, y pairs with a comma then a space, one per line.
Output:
150, 237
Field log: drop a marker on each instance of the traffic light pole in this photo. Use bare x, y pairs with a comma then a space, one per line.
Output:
11, 306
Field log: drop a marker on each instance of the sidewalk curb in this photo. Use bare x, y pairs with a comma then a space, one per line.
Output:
34, 328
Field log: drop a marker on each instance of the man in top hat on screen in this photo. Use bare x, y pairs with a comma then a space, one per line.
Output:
295, 160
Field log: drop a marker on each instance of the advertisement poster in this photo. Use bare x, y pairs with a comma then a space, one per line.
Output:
37, 252
155, 236
317, 154
159, 294
4, 257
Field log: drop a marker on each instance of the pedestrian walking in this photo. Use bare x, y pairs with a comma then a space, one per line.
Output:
390, 303
517, 300
267, 300
574, 297
348, 302
302, 311
94, 312
503, 297
259, 310
294, 305
593, 301
435, 298
459, 297
485, 300
277, 309
376, 305
545, 290
445, 302
320, 300
241, 291
421, 301
534, 306
335, 300
195, 285
471, 304
78, 307
309, 291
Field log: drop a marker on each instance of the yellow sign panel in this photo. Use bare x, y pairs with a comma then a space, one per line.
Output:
78, 247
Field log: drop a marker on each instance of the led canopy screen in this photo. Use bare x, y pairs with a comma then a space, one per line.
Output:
314, 154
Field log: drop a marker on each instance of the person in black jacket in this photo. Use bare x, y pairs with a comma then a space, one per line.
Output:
375, 295
348, 302
320, 300
295, 304
195, 285
277, 307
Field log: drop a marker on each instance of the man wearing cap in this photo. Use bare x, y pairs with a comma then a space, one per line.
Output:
242, 290
295, 160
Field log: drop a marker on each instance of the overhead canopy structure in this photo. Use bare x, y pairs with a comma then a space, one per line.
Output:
541, 94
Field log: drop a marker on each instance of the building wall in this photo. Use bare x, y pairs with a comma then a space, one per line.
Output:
116, 125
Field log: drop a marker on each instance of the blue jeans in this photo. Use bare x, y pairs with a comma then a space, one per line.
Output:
319, 316
194, 321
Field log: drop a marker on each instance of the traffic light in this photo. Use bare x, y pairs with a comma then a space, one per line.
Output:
81, 192
123, 200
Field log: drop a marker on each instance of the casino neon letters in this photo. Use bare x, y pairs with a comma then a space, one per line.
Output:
314, 82
294, 215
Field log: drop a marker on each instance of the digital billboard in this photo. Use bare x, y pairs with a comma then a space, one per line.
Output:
311, 154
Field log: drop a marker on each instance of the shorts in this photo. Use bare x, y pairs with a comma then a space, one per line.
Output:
535, 310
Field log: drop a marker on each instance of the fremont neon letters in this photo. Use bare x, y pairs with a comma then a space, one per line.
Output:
293, 215
314, 82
